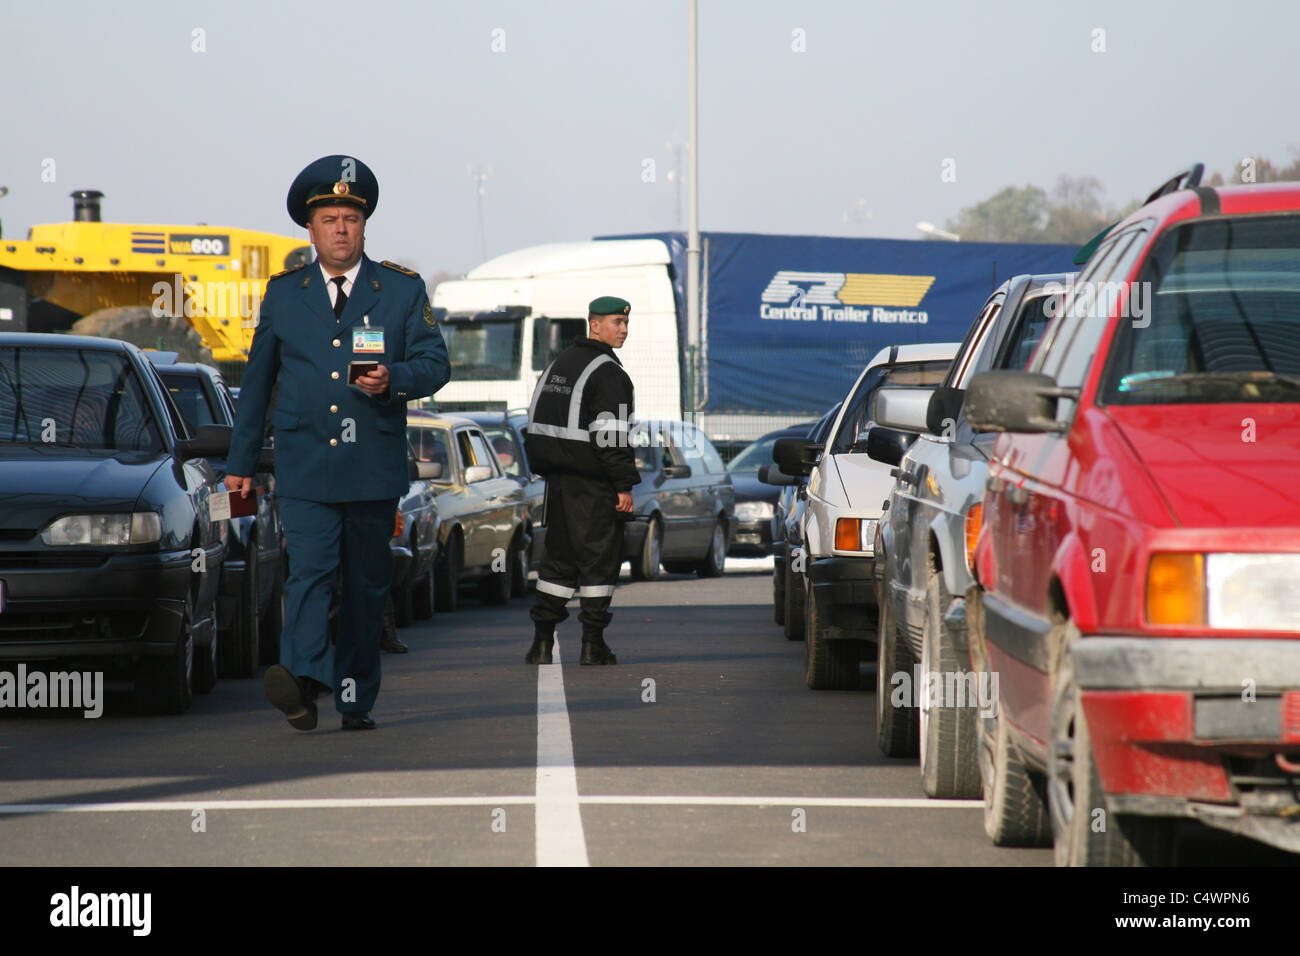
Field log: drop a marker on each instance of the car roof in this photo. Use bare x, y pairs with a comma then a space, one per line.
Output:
927, 352
440, 421
193, 369
1234, 200
59, 340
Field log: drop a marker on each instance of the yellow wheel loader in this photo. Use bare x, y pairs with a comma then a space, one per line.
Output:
194, 290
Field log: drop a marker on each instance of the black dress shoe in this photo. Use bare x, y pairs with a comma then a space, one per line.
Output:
392, 645
596, 651
358, 722
540, 652
285, 692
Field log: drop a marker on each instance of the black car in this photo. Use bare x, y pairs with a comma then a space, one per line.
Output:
756, 500
250, 602
108, 553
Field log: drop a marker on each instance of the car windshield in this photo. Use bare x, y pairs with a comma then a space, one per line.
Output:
191, 400
79, 398
1220, 321
860, 410
650, 448
430, 444
503, 443
483, 348
755, 456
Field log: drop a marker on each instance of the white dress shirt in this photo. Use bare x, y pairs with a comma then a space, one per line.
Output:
349, 278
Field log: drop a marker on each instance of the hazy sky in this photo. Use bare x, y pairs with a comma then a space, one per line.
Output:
847, 137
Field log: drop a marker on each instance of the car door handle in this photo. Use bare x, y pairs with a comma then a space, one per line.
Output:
903, 476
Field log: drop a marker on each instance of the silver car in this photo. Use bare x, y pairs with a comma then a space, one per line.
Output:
927, 535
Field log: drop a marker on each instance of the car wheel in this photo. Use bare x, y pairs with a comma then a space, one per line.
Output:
240, 651
715, 559
163, 685
897, 727
422, 596
829, 665
795, 598
645, 566
778, 592
1014, 811
402, 597
497, 586
949, 768
1084, 830
273, 621
448, 575
205, 667
519, 580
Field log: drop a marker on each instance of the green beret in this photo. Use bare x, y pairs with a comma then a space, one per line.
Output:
609, 305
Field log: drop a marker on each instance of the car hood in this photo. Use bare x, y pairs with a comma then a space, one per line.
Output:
39, 484
749, 488
865, 482
1221, 465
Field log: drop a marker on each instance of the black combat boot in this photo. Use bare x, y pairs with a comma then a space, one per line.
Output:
595, 650
540, 652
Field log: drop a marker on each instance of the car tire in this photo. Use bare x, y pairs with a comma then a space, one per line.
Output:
947, 732
715, 559
273, 620
423, 598
497, 586
1084, 830
519, 581
829, 665
645, 566
206, 660
240, 650
1015, 813
678, 567
897, 726
447, 575
164, 685
778, 592
795, 598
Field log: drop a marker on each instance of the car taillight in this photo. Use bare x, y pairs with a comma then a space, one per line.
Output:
974, 520
1175, 592
399, 525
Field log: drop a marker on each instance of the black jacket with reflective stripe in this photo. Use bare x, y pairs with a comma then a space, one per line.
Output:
579, 417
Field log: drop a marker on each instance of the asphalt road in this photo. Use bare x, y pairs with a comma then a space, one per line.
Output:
480, 759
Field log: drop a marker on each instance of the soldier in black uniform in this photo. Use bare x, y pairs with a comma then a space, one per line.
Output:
577, 440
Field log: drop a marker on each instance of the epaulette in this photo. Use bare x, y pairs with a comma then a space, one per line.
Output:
402, 269
289, 271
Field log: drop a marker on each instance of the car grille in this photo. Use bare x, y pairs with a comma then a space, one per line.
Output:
111, 625
28, 560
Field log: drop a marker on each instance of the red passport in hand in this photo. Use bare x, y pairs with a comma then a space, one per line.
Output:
229, 504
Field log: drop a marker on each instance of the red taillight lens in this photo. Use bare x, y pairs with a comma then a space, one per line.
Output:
974, 520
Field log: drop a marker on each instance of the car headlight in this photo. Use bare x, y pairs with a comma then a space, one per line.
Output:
754, 510
855, 534
1248, 592
106, 530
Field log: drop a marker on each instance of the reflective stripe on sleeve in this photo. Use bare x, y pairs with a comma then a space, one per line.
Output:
596, 590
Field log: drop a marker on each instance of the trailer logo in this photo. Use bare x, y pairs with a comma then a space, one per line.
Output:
837, 297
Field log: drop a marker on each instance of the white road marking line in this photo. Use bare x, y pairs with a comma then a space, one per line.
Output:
355, 803
558, 817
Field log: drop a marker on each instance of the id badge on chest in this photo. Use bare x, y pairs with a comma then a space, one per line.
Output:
367, 340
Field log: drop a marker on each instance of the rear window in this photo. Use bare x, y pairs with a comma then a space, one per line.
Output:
502, 440
78, 398
1220, 321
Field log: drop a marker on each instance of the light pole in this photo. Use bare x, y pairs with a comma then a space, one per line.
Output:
693, 236
930, 229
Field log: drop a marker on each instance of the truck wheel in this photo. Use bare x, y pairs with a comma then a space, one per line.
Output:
240, 649
896, 724
447, 574
1084, 830
715, 559
163, 684
1014, 812
645, 566
138, 325
949, 767
795, 599
829, 665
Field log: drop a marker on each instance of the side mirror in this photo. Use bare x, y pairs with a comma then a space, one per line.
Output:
677, 471
796, 456
429, 470
888, 445
1015, 401
903, 409
477, 473
266, 459
772, 475
211, 441
945, 407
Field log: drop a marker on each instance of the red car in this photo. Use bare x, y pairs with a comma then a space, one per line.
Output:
1139, 556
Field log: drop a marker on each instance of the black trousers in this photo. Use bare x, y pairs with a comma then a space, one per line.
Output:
584, 551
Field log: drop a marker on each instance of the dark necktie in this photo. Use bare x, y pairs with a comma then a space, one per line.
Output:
342, 298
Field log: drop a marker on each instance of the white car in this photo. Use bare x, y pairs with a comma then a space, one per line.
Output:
846, 490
